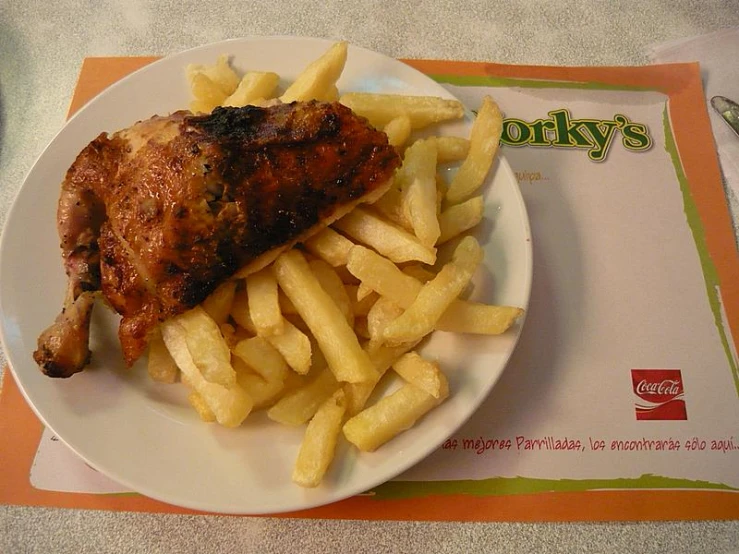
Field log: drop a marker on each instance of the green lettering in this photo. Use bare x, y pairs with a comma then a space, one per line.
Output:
602, 133
539, 128
635, 135
515, 132
567, 132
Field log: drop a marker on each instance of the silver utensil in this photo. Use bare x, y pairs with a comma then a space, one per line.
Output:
728, 110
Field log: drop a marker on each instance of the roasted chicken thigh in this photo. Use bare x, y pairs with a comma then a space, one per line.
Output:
156, 216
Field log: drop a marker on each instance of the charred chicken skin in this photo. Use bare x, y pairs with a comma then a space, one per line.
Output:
156, 216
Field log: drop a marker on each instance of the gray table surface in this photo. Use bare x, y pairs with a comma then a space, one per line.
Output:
42, 45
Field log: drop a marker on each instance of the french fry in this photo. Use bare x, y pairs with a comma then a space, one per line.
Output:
263, 392
422, 373
418, 190
201, 407
230, 404
382, 357
390, 206
206, 345
264, 304
254, 85
286, 306
398, 130
319, 443
436, 296
458, 218
160, 365
329, 246
484, 141
218, 303
221, 74
390, 240
332, 284
390, 416
382, 276
317, 80
263, 358
422, 111
327, 324
475, 318
207, 93
240, 311
294, 346
451, 149
382, 313
298, 406
331, 94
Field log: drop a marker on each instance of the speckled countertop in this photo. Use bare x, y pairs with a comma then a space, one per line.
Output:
42, 45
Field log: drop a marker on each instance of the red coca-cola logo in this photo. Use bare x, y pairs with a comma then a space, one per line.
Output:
660, 394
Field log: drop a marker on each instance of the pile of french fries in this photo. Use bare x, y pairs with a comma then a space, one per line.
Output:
309, 337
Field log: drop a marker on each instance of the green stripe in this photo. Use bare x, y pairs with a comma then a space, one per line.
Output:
500, 486
710, 274
487, 81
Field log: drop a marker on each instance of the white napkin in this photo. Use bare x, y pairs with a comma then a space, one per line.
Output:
717, 53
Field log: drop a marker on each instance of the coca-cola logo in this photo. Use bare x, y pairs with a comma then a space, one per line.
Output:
669, 387
660, 394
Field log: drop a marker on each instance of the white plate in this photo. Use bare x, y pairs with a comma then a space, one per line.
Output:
143, 434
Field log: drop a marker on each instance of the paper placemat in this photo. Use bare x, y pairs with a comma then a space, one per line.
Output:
621, 401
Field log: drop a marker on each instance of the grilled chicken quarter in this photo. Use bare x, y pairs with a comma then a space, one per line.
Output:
157, 215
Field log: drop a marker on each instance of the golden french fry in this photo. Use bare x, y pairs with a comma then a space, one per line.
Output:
317, 80
458, 218
329, 246
218, 304
422, 373
484, 141
294, 346
207, 94
160, 365
263, 358
398, 130
221, 74
201, 407
254, 85
230, 404
329, 95
286, 306
334, 287
390, 206
382, 276
422, 111
240, 311
206, 345
324, 319
451, 149
319, 443
382, 357
382, 313
298, 406
263, 392
387, 238
390, 416
417, 179
264, 303
475, 318
436, 296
